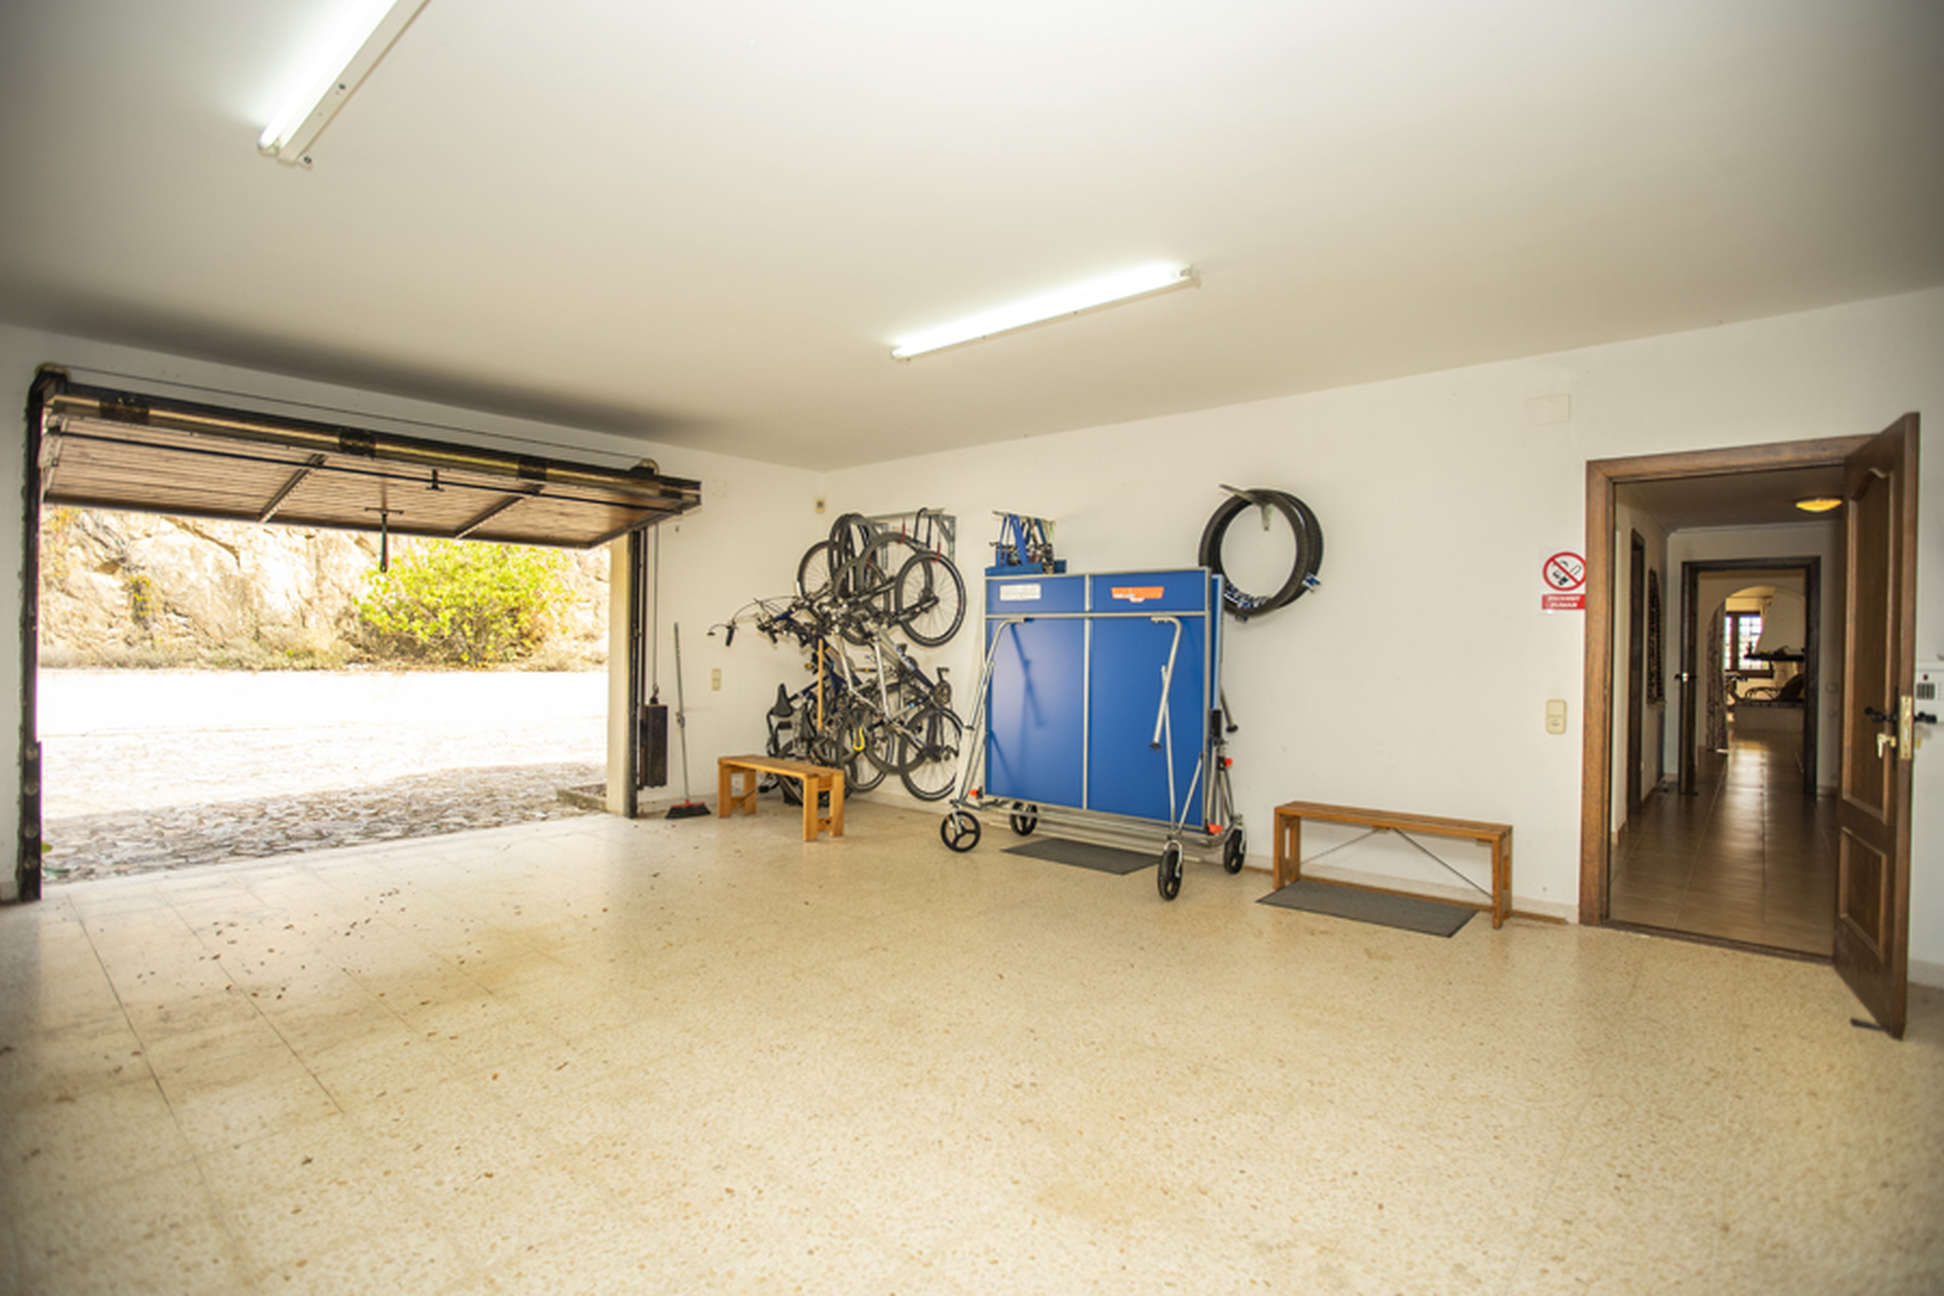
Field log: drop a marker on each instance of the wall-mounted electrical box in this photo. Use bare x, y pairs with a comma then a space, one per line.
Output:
1928, 699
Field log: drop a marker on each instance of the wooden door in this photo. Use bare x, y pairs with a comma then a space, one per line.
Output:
1636, 664
1690, 591
1880, 637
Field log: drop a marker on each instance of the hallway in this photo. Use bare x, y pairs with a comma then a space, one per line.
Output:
1747, 858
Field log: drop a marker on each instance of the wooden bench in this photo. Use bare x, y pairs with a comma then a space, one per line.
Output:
1289, 841
817, 780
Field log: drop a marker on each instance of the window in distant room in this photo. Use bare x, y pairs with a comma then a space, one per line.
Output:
1744, 631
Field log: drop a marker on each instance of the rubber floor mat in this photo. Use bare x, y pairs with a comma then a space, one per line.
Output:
1408, 913
1086, 855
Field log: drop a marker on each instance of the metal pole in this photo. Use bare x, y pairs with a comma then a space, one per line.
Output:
654, 643
1167, 675
681, 714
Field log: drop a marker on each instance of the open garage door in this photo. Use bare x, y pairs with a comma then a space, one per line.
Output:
122, 450
100, 447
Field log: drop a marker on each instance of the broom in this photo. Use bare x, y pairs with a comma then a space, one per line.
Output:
687, 807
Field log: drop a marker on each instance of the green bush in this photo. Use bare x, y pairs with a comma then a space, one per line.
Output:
141, 598
462, 602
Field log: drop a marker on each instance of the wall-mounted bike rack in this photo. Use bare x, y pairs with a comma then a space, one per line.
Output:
932, 527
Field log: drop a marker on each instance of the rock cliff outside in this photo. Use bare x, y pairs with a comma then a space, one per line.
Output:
148, 590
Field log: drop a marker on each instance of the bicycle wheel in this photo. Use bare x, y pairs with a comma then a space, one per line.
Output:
930, 599
814, 570
861, 774
849, 534
864, 766
783, 745
881, 745
871, 586
931, 755
829, 750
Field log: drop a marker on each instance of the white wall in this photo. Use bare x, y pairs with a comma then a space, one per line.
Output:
1822, 540
1785, 619
1440, 500
754, 521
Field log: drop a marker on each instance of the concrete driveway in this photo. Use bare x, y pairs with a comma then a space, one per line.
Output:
117, 740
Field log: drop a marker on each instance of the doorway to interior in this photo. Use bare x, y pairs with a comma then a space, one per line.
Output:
1743, 848
1872, 481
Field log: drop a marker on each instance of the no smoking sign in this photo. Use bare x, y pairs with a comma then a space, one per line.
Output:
1564, 575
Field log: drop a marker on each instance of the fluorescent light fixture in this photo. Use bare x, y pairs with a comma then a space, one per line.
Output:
339, 69
1122, 285
1819, 503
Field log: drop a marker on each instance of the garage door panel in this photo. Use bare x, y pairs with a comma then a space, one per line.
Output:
119, 450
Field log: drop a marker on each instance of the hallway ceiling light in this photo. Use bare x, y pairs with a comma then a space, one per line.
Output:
1122, 285
339, 68
1818, 503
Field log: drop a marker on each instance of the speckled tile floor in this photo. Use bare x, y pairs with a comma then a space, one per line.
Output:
703, 1056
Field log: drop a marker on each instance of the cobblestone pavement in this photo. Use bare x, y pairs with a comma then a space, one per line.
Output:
420, 805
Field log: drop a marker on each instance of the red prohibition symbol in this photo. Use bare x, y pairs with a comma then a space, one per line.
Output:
1565, 570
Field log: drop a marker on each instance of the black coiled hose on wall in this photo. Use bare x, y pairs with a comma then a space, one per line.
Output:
1309, 549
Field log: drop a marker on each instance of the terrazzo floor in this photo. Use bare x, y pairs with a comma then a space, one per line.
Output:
592, 1055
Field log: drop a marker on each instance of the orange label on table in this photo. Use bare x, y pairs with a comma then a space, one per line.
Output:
1136, 593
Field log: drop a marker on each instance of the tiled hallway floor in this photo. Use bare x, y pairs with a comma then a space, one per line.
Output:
1747, 858
702, 1056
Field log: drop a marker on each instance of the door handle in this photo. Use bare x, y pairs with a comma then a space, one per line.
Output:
1883, 741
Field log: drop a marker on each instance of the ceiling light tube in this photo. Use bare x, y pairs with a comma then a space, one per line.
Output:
1122, 285
332, 79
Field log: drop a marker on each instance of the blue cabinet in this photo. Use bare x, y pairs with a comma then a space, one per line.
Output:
1080, 665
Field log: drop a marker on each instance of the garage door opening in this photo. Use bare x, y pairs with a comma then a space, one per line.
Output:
326, 625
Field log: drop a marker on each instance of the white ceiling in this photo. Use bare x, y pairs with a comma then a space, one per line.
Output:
1738, 499
703, 223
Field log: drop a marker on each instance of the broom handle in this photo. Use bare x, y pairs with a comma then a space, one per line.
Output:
681, 713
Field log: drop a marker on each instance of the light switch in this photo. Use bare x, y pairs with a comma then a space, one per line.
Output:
1555, 715
715, 680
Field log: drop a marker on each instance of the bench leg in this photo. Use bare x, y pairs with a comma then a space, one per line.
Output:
725, 779
1289, 851
1501, 880
837, 805
812, 788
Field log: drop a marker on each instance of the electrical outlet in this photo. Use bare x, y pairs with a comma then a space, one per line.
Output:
1555, 715
715, 679
820, 504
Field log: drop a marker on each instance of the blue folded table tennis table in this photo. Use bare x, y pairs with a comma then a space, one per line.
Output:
1099, 712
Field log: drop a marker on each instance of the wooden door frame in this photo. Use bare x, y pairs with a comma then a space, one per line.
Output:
1691, 573
1636, 670
1596, 749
